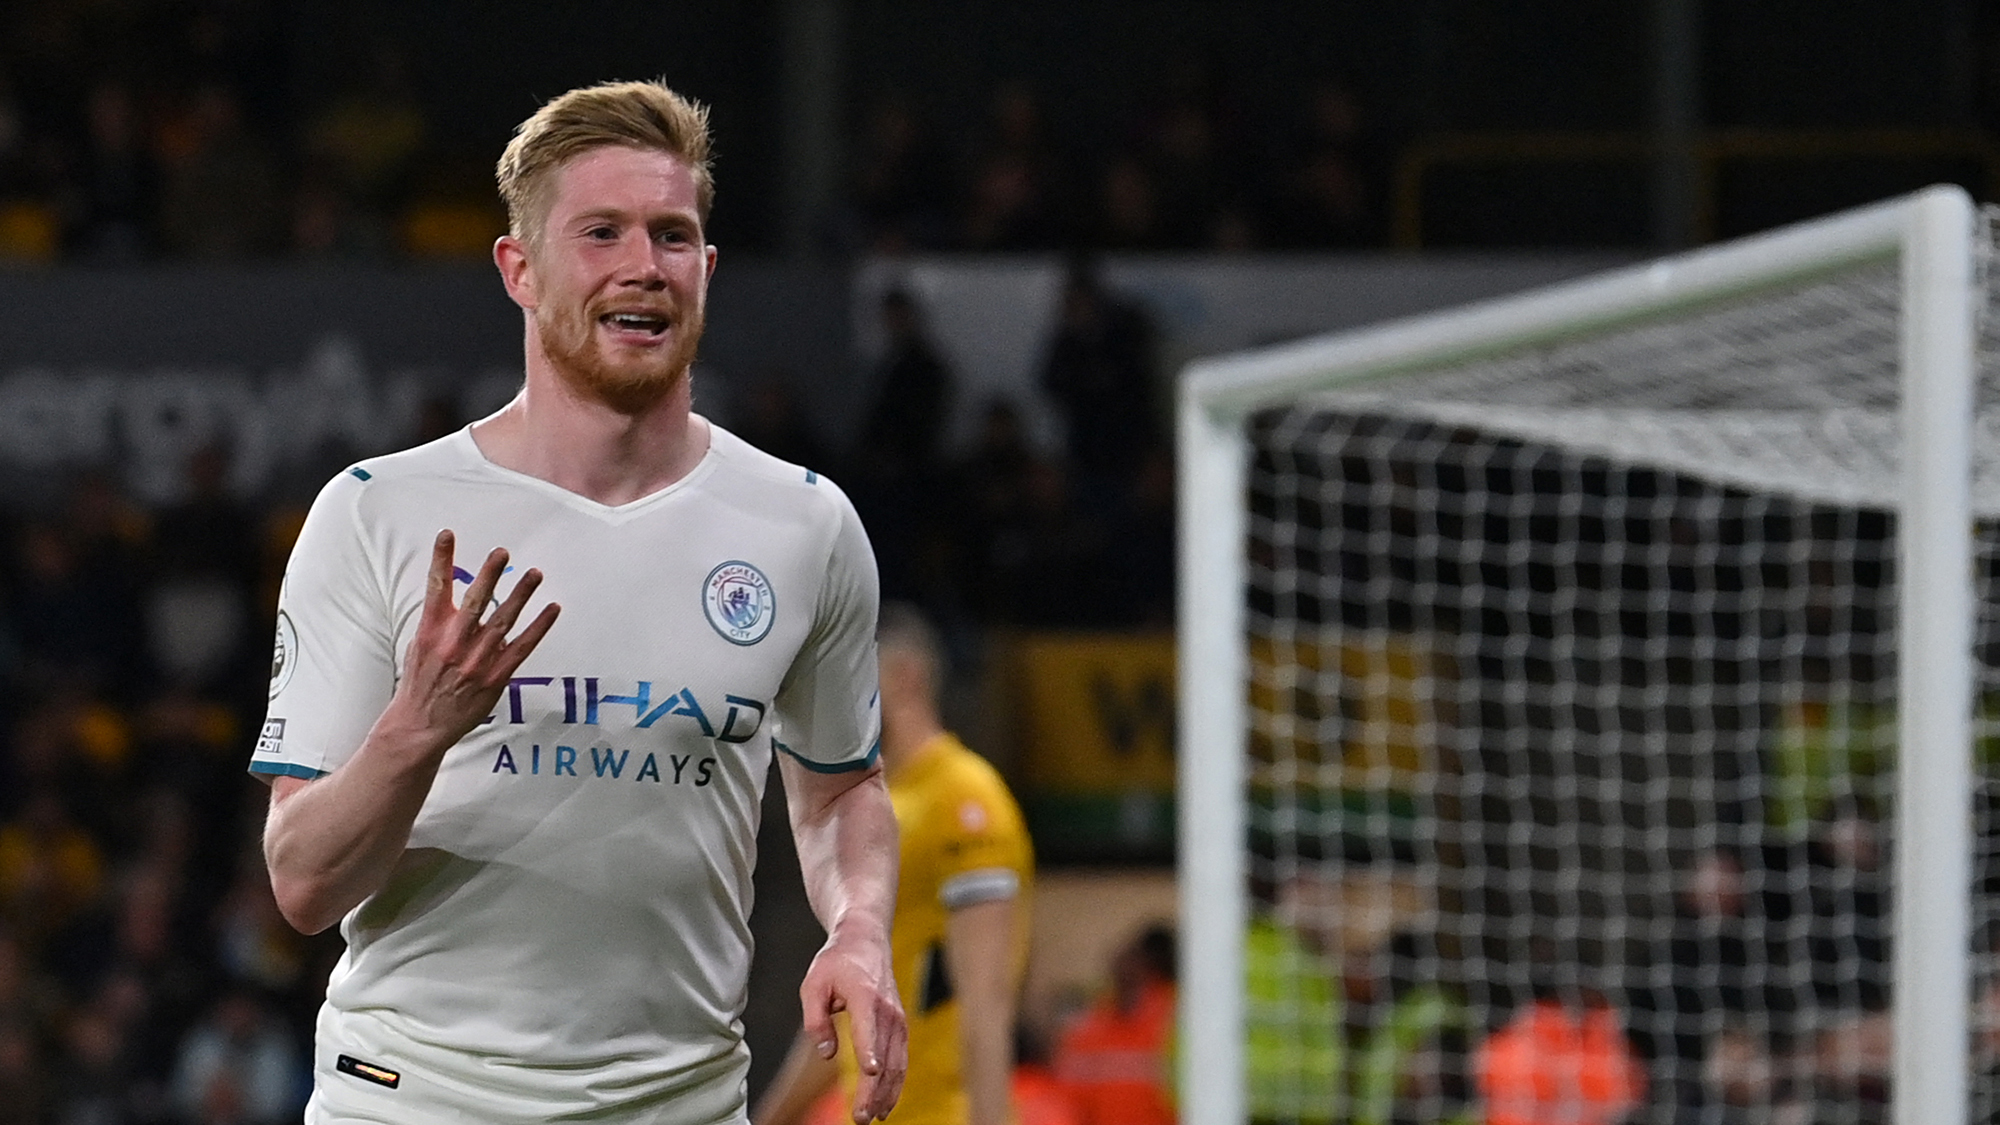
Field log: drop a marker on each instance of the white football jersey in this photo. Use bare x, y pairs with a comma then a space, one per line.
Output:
567, 934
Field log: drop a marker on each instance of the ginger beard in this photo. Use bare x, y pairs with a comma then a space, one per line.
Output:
627, 383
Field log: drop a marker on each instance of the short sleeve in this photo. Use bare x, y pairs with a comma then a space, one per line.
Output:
333, 668
829, 712
988, 857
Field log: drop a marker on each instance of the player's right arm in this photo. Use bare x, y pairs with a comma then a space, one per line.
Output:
331, 841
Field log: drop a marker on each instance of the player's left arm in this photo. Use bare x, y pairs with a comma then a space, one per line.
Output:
981, 940
845, 829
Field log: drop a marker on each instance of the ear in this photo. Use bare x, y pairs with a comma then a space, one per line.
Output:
709, 275
517, 270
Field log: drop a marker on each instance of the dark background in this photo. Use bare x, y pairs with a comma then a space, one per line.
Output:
1522, 127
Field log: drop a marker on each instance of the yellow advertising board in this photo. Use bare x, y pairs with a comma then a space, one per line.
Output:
1097, 712
1352, 712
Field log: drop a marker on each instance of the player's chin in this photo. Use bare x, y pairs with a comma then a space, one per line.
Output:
648, 384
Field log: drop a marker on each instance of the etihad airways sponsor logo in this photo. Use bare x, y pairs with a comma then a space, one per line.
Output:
605, 762
586, 700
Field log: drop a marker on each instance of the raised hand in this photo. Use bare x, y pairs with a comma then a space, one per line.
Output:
853, 975
458, 664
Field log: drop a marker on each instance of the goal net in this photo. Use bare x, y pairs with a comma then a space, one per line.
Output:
1569, 681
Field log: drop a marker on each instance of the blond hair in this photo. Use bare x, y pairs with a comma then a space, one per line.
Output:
641, 115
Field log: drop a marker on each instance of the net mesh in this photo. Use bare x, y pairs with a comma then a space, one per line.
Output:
1573, 728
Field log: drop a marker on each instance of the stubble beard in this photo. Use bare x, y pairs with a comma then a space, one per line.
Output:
569, 341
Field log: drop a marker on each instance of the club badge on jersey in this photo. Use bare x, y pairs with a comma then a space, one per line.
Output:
738, 602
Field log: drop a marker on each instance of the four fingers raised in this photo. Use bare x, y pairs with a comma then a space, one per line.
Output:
462, 619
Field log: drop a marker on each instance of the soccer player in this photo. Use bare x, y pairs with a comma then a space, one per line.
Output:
961, 910
539, 846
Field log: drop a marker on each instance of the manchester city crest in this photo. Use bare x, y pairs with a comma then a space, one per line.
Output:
737, 599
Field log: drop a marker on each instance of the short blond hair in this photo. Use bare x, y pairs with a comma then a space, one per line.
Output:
641, 115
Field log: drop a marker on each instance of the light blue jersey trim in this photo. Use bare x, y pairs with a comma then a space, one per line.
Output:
286, 769
860, 763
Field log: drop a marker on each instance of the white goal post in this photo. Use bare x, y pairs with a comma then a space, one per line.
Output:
1934, 242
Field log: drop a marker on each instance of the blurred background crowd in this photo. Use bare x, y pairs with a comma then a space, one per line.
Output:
189, 135
218, 129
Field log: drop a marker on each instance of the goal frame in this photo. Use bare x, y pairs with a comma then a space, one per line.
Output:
1933, 233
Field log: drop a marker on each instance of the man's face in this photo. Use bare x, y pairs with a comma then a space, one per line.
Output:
618, 280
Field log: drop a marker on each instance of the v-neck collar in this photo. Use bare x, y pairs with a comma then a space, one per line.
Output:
576, 500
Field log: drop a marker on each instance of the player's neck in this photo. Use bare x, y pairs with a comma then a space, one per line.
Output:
613, 457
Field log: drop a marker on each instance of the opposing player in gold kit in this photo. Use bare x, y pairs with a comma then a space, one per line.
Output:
959, 940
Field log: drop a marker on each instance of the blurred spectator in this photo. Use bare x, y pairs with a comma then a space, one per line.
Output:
904, 430
1407, 1030
1562, 1058
1115, 1057
1293, 1055
1330, 186
138, 964
1190, 173
902, 187
220, 188
50, 869
1744, 1081
1730, 968
1040, 1097
1852, 1060
194, 750
79, 747
109, 531
27, 997
438, 415
238, 1066
372, 131
899, 451
1054, 569
1144, 531
15, 179
28, 221
768, 416
1845, 878
358, 153
117, 184
1128, 207
144, 1033
206, 551
255, 942
24, 1093
1015, 194
989, 490
1985, 1091
70, 630
94, 1083
1100, 368
327, 223
1851, 1049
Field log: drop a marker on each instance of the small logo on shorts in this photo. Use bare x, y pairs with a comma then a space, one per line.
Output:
380, 1075
272, 739
285, 655
737, 598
